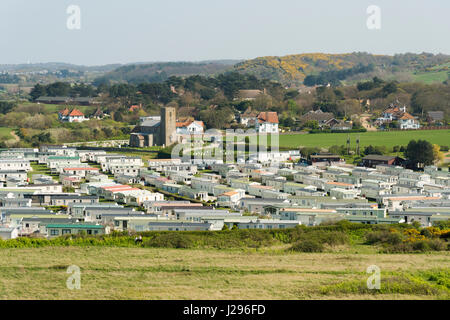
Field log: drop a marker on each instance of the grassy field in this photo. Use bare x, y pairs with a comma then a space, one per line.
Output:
150, 273
54, 108
431, 77
388, 139
5, 133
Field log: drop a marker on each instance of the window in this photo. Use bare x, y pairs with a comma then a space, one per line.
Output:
54, 232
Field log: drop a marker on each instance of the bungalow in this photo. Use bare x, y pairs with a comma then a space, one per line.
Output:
8, 233
309, 217
341, 193
138, 197
424, 218
191, 193
220, 188
14, 165
277, 183
337, 185
149, 224
20, 175
171, 187
400, 202
435, 116
292, 187
229, 199
56, 230
167, 207
159, 164
64, 200
242, 184
373, 160
268, 224
80, 171
318, 115
376, 212
202, 184
55, 162
274, 194
330, 158
257, 205
37, 225
257, 190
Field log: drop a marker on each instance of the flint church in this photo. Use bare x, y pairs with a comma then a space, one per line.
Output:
156, 131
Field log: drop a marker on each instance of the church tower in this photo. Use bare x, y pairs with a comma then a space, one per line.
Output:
168, 134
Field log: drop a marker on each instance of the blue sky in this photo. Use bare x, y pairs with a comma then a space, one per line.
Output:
124, 31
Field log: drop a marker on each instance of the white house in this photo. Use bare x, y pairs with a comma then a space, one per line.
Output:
8, 233
267, 122
73, 115
394, 113
190, 127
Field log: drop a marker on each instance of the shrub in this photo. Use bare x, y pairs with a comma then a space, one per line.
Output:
308, 245
417, 246
437, 245
170, 240
384, 236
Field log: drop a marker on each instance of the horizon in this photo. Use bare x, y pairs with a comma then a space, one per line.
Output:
213, 60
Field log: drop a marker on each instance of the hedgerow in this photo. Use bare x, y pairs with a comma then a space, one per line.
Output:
391, 238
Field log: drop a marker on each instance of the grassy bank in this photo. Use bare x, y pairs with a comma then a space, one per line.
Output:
153, 273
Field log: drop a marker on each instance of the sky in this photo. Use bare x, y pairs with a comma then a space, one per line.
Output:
126, 31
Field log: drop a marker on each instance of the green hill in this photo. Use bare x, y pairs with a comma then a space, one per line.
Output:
295, 68
158, 72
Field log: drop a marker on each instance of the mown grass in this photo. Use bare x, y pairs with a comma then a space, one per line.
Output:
388, 138
154, 273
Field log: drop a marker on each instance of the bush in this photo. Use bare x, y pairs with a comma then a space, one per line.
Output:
417, 246
170, 240
384, 236
437, 245
308, 245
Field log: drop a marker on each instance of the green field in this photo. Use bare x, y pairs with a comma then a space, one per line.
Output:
151, 273
5, 133
431, 77
54, 108
388, 139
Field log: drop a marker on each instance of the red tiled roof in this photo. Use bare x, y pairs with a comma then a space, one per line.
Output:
188, 122
271, 117
64, 112
76, 113
116, 187
134, 107
406, 116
